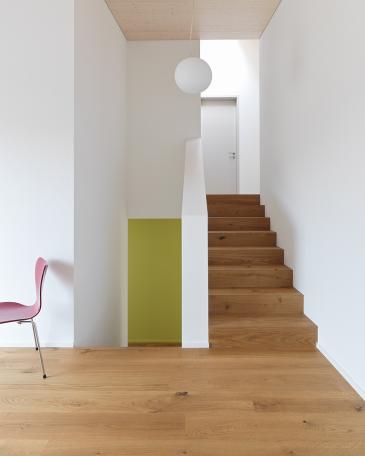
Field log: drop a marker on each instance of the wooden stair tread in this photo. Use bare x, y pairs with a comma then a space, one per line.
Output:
259, 232
251, 276
242, 238
236, 210
220, 217
242, 206
254, 341
255, 302
252, 291
238, 223
250, 255
263, 333
248, 248
251, 267
227, 199
261, 322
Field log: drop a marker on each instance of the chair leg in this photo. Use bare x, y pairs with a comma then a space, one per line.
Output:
20, 322
38, 346
35, 337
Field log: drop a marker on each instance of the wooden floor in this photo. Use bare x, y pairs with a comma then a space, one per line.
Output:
170, 402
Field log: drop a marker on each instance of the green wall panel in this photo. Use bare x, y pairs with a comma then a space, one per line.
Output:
154, 281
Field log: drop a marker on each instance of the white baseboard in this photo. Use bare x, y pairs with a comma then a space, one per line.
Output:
195, 344
49, 344
342, 371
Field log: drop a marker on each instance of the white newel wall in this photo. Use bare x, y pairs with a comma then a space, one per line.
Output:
100, 177
195, 332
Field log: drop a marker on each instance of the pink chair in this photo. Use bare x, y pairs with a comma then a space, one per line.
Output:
11, 312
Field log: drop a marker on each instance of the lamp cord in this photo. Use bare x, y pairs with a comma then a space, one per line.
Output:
192, 29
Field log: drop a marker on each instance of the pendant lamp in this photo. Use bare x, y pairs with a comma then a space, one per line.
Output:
193, 75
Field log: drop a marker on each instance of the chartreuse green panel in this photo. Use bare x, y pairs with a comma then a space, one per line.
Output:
154, 281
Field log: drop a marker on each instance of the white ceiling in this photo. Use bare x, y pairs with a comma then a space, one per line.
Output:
171, 19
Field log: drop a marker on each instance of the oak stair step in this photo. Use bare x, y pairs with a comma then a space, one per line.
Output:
221, 256
256, 302
233, 199
238, 224
236, 210
256, 276
263, 333
242, 238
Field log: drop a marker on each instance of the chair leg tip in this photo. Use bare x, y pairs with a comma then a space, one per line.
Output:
44, 376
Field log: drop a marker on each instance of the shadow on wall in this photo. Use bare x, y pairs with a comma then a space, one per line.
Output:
63, 271
283, 226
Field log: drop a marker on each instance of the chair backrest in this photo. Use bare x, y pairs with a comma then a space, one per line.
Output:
40, 273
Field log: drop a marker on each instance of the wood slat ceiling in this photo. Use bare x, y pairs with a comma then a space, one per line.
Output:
171, 19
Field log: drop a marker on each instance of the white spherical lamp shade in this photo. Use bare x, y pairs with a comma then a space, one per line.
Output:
193, 75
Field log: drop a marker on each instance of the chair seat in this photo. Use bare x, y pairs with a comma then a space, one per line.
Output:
13, 311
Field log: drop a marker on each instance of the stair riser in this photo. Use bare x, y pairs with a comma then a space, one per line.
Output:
235, 210
242, 239
233, 199
239, 224
231, 257
253, 339
255, 279
256, 306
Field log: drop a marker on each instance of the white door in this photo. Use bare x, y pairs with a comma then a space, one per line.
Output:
219, 138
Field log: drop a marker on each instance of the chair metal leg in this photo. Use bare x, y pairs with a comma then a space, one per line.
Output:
20, 322
35, 337
38, 346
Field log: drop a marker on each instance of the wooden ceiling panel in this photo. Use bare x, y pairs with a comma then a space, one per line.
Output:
213, 19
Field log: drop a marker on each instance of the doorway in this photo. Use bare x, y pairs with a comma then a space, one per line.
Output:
219, 139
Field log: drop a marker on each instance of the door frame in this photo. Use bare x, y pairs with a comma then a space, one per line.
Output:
235, 99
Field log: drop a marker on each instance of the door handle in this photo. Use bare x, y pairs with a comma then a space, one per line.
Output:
232, 155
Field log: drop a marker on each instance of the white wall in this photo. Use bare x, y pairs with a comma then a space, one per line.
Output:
36, 153
100, 177
160, 119
235, 66
195, 311
313, 142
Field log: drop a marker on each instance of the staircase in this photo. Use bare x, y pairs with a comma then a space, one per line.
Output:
252, 302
